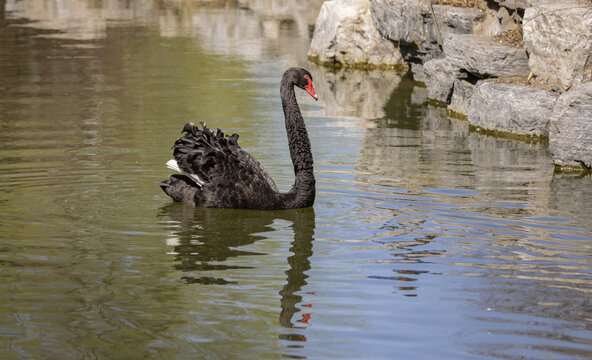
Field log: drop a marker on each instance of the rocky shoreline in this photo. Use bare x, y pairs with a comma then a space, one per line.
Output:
520, 68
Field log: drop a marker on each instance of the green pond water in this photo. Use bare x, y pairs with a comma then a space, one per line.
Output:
426, 241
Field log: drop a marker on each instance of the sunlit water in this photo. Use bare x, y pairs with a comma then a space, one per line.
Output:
425, 241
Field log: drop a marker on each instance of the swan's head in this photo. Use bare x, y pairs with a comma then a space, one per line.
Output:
301, 78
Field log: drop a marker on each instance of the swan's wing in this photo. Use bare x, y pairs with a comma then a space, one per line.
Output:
256, 172
217, 160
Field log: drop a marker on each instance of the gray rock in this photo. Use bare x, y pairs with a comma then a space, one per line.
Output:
507, 21
439, 79
417, 71
461, 97
345, 34
570, 133
523, 4
512, 4
411, 21
511, 107
558, 38
410, 25
483, 57
488, 25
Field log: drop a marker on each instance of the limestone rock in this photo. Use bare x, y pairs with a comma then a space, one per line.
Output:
484, 57
411, 21
570, 133
523, 4
511, 107
439, 78
507, 21
489, 24
345, 34
520, 4
558, 38
410, 25
417, 70
461, 97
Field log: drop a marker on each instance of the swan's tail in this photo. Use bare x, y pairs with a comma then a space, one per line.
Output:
172, 164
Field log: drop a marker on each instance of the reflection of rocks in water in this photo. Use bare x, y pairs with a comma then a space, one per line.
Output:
206, 240
303, 13
510, 155
404, 106
256, 28
573, 192
250, 28
420, 147
353, 93
511, 170
412, 145
78, 19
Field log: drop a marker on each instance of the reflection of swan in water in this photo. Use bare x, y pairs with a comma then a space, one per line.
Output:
303, 223
202, 236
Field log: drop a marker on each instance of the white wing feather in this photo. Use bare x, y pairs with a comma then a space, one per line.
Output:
172, 164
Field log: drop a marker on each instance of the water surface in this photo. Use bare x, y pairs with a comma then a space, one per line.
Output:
426, 240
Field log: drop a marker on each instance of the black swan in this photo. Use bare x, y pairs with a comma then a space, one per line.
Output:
217, 173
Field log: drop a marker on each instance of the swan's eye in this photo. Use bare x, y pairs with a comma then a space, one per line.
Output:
309, 88
308, 80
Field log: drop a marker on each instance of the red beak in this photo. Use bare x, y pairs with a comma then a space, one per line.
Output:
309, 89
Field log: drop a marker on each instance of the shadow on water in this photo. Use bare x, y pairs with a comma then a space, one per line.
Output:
206, 239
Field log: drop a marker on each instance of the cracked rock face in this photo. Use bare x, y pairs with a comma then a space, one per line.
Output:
558, 38
410, 25
483, 57
346, 35
461, 96
439, 76
570, 133
511, 107
411, 21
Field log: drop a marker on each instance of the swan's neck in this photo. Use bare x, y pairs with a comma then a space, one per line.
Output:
299, 144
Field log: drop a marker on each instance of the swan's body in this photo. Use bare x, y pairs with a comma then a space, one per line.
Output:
216, 172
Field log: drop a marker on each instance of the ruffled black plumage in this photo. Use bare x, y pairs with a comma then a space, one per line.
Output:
228, 176
217, 172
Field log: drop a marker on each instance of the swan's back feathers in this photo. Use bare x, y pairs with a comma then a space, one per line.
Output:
199, 151
226, 174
